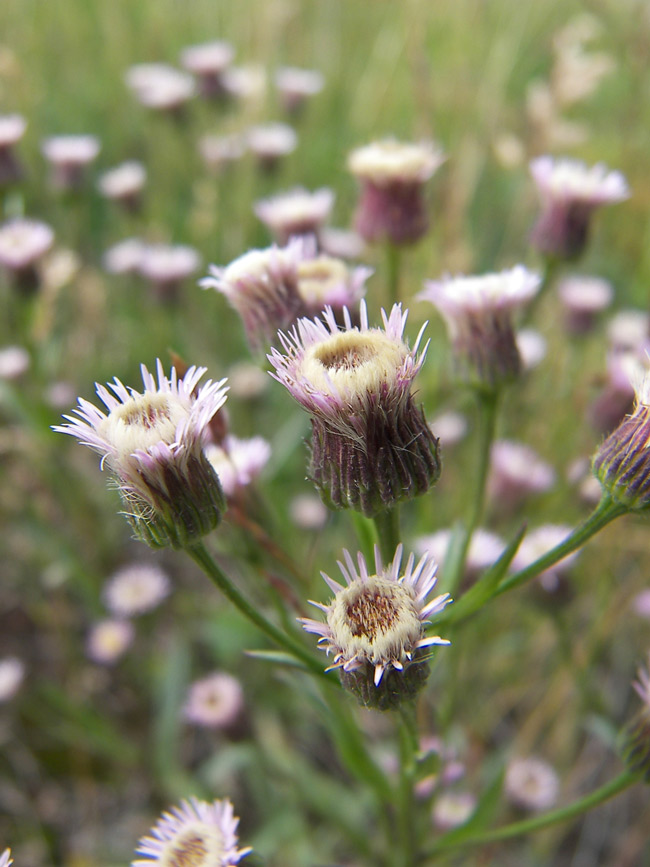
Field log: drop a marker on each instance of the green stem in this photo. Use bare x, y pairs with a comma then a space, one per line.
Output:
388, 533
393, 268
537, 823
408, 748
488, 404
551, 268
202, 557
605, 512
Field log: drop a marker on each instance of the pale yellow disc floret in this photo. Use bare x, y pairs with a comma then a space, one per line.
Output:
375, 620
390, 161
317, 277
354, 362
195, 845
141, 422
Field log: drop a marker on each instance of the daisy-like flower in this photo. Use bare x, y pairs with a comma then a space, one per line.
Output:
125, 256
622, 463
208, 62
517, 472
108, 640
12, 129
160, 87
215, 701
124, 184
262, 286
237, 462
296, 86
196, 833
152, 442
531, 784
583, 298
165, 266
136, 589
297, 212
453, 809
324, 281
374, 627
569, 191
23, 243
68, 156
392, 176
371, 446
5, 859
478, 313
270, 143
12, 674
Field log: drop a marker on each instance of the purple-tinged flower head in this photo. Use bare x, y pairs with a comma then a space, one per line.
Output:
538, 542
583, 298
12, 129
324, 281
296, 86
371, 446
5, 859
392, 177
108, 640
247, 84
450, 427
622, 463
517, 472
124, 184
569, 191
262, 286
453, 809
195, 833
636, 735
12, 674
628, 330
532, 347
297, 212
375, 627
152, 442
308, 512
23, 243
161, 87
221, 151
215, 701
68, 156
478, 312
485, 548
14, 362
341, 243
166, 266
238, 462
208, 62
531, 784
136, 589
271, 143
124, 257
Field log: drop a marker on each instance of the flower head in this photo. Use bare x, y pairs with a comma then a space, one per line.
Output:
324, 281
569, 192
23, 242
208, 62
68, 155
12, 129
297, 212
374, 626
195, 833
136, 589
478, 313
262, 286
392, 176
622, 463
271, 142
108, 640
583, 298
295, 86
12, 674
237, 462
215, 701
166, 266
532, 784
160, 86
371, 446
152, 441
453, 809
124, 184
